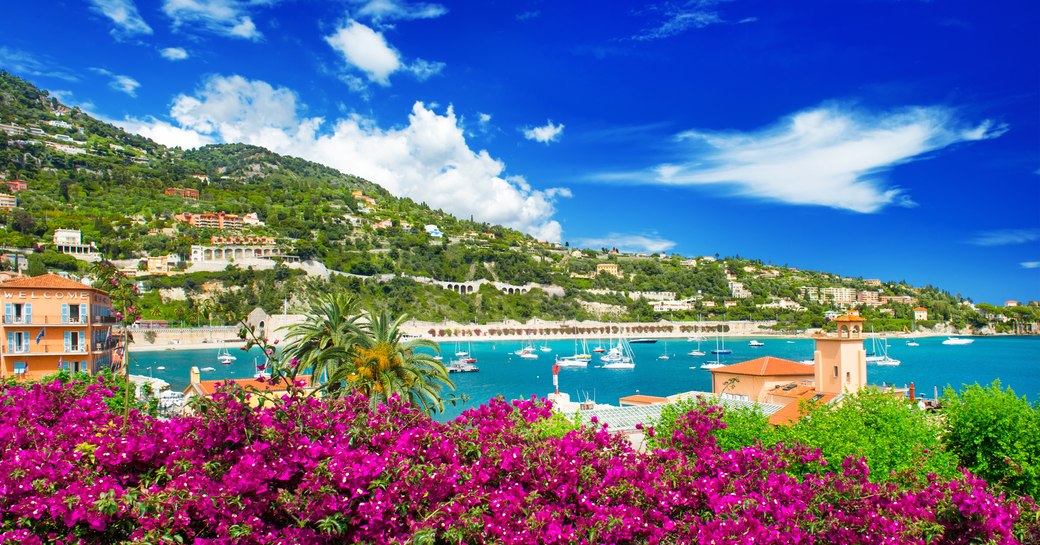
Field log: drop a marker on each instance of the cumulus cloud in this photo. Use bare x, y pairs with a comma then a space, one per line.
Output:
27, 64
484, 118
544, 134
628, 243
223, 17
366, 50
1030, 264
174, 53
1005, 237
164, 132
392, 10
828, 156
124, 14
427, 160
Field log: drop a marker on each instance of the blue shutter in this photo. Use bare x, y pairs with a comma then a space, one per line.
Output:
28, 313
8, 313
64, 314
10, 341
68, 339
83, 314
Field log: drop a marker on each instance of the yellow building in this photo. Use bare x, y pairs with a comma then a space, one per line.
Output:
609, 268
52, 323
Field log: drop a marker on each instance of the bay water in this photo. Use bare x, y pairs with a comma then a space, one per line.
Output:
1015, 361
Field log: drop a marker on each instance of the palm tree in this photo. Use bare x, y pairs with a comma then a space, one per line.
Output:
323, 342
383, 365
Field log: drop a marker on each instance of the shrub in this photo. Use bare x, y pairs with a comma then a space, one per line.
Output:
996, 435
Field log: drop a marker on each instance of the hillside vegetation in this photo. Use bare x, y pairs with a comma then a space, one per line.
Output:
84, 174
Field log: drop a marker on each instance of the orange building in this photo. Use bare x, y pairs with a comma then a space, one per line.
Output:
186, 192
839, 367
214, 220
51, 323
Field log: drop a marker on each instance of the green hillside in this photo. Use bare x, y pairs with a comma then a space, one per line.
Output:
85, 174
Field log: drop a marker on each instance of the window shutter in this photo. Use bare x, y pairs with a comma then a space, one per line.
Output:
10, 341
9, 313
28, 313
64, 314
83, 314
68, 340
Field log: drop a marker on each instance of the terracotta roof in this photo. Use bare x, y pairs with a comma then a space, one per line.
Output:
920, 308
209, 387
791, 413
46, 281
767, 366
849, 318
792, 390
640, 399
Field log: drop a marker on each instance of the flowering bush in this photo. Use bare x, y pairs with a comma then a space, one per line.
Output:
335, 471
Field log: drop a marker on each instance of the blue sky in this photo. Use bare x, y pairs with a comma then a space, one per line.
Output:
886, 139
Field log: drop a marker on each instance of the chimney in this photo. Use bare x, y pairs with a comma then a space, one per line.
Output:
913, 391
195, 375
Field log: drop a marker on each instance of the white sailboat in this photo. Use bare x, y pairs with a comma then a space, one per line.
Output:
697, 351
225, 357
879, 352
664, 356
619, 356
712, 364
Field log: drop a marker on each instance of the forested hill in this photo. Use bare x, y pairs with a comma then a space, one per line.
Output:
122, 192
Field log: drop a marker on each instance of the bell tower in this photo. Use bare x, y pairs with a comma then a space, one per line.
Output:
840, 361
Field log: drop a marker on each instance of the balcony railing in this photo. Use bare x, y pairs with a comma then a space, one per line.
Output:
51, 320
46, 347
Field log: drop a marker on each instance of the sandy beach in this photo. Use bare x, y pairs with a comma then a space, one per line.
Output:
509, 330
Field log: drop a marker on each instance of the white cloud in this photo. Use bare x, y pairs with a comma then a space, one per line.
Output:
829, 156
367, 50
544, 134
125, 84
26, 64
424, 69
484, 118
427, 160
1005, 237
174, 53
1030, 264
164, 132
628, 243
121, 83
392, 10
124, 14
223, 17
672, 18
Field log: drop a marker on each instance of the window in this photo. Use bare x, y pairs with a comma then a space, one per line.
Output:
18, 342
835, 371
17, 313
74, 314
75, 341
20, 367
848, 378
735, 397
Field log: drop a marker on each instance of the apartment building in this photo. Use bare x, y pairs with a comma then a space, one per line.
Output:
52, 323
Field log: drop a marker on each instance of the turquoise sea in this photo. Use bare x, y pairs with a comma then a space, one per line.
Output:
1015, 361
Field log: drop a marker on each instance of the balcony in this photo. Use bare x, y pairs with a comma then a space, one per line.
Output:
52, 320
105, 320
47, 347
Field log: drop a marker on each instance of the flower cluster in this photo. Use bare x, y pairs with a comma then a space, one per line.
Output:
335, 471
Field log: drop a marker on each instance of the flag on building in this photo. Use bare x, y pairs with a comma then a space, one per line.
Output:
39, 336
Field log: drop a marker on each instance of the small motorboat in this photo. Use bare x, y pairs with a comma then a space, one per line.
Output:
756, 343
